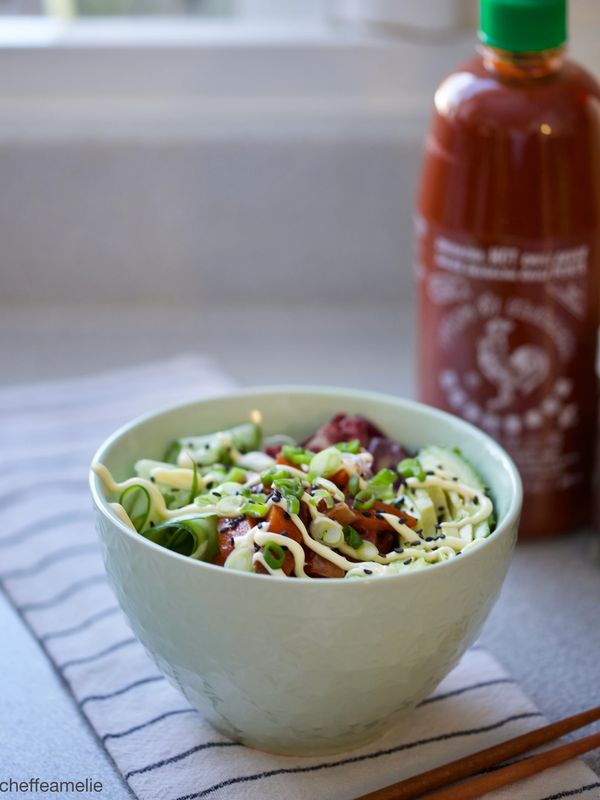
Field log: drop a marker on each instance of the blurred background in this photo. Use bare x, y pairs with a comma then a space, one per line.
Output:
234, 176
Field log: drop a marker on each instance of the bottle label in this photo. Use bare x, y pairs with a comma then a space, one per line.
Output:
509, 342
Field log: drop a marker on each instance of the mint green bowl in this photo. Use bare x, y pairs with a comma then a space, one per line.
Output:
303, 666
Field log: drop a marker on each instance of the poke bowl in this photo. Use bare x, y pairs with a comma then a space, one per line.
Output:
305, 564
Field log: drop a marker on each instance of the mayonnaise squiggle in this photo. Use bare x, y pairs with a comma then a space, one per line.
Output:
453, 536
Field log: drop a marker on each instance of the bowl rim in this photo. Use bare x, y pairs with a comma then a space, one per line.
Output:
503, 526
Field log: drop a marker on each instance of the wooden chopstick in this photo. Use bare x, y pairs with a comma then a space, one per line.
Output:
462, 768
476, 787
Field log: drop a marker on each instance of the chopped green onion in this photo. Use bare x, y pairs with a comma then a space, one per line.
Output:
230, 506
293, 505
367, 551
273, 554
270, 475
411, 468
136, 501
353, 446
229, 488
352, 537
255, 510
364, 500
289, 486
326, 463
296, 455
385, 477
353, 484
327, 531
322, 494
240, 560
236, 475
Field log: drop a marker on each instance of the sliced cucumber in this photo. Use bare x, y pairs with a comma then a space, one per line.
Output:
438, 498
453, 462
426, 509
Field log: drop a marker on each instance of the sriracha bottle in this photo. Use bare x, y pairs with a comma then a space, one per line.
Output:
508, 255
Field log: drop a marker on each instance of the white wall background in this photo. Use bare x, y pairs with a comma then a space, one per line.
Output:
192, 169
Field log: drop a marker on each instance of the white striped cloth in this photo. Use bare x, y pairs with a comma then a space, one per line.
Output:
51, 569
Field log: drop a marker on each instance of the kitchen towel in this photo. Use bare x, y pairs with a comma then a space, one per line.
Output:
51, 569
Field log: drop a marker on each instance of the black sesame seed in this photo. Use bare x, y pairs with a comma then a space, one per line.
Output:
419, 532
152, 479
429, 538
402, 520
438, 526
217, 494
379, 515
476, 500
210, 484
415, 544
368, 572
151, 524
442, 536
408, 561
434, 548
454, 478
206, 446
398, 549
429, 472
440, 518
440, 466
366, 513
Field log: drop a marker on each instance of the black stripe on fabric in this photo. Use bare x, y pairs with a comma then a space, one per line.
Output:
81, 626
98, 697
35, 488
74, 662
357, 759
40, 605
53, 558
41, 526
143, 725
437, 697
572, 792
180, 757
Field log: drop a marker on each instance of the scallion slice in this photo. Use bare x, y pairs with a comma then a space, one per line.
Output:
326, 463
273, 554
353, 485
364, 500
411, 468
296, 455
353, 446
352, 537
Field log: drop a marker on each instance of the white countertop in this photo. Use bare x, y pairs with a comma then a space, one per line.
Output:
544, 628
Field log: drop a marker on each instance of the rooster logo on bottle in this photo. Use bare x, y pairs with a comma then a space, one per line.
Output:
514, 373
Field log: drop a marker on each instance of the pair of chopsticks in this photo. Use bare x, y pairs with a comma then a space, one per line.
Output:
449, 774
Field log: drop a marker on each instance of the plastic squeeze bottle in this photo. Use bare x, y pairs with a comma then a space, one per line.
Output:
508, 254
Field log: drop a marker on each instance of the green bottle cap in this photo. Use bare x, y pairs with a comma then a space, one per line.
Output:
523, 25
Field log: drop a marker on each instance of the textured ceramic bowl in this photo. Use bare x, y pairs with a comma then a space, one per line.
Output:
304, 666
